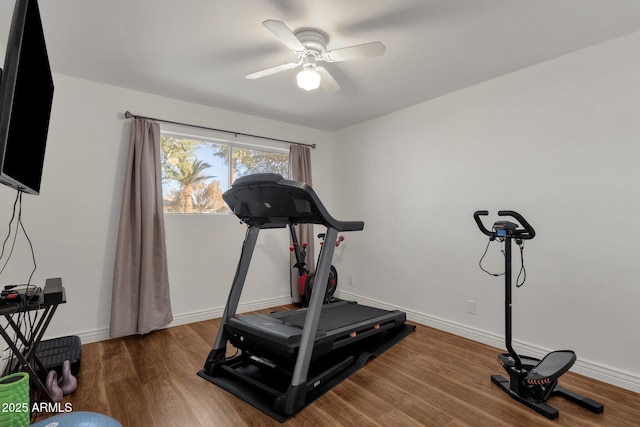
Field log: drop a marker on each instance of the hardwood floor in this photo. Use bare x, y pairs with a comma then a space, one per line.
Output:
431, 378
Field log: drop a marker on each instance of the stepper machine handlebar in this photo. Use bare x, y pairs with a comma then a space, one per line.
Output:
476, 216
526, 233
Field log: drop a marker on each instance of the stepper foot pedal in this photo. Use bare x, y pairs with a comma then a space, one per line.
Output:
507, 361
551, 367
542, 382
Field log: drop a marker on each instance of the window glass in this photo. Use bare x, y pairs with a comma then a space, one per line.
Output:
249, 161
195, 172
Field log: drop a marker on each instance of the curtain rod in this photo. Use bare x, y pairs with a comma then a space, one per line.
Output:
129, 115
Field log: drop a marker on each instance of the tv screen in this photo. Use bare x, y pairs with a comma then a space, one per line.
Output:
26, 94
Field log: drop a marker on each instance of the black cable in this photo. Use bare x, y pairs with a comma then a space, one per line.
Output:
523, 270
483, 255
25, 321
18, 203
25, 325
27, 318
33, 254
13, 215
234, 355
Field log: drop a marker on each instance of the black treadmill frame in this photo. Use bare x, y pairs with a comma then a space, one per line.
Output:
265, 201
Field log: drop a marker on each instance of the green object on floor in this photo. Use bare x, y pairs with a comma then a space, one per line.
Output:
14, 400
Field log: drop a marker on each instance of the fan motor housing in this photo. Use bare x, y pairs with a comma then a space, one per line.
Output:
313, 40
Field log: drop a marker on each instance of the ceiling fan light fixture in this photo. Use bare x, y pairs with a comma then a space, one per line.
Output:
310, 46
308, 79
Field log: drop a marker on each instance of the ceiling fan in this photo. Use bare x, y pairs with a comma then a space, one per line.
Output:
310, 46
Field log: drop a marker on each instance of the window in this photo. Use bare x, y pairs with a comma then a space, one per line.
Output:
197, 170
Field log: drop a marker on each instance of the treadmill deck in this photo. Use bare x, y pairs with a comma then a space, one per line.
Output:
277, 336
333, 316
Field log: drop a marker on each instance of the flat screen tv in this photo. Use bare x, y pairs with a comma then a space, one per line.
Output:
26, 94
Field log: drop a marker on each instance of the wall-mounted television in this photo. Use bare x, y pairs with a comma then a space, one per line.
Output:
26, 95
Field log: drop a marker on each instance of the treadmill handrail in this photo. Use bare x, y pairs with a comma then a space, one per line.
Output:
268, 200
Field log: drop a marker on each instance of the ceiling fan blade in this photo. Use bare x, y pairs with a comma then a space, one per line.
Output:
283, 32
365, 50
272, 70
327, 82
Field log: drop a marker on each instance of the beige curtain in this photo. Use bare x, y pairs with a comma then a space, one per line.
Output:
300, 170
140, 297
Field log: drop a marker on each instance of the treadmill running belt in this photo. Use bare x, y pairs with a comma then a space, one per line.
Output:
335, 316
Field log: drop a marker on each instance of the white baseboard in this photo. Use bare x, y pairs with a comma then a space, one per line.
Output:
213, 313
87, 337
102, 334
598, 371
587, 368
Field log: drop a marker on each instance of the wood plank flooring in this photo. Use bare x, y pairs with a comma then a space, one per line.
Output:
431, 378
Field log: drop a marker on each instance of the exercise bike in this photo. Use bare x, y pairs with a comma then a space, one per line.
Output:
531, 381
306, 279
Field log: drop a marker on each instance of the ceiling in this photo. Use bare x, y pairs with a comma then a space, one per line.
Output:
199, 50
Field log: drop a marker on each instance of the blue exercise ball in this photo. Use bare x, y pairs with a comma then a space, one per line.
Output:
78, 419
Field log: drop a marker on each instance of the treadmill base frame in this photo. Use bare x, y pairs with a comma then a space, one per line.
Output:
262, 385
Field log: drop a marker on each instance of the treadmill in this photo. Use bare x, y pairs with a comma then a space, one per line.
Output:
288, 359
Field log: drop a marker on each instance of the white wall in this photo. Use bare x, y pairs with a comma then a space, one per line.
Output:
73, 222
558, 142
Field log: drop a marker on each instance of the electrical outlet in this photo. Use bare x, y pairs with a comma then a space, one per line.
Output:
350, 280
471, 307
